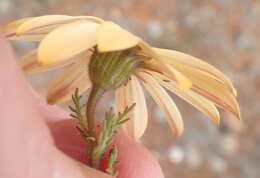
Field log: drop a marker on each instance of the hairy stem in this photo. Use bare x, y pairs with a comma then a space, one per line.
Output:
95, 94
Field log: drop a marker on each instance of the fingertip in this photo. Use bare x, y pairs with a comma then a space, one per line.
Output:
68, 140
136, 161
66, 167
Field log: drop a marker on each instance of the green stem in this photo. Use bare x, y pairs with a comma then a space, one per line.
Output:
95, 94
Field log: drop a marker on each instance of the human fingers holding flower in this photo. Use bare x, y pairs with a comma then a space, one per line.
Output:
102, 56
31, 131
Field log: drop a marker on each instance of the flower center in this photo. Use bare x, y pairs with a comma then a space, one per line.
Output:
111, 69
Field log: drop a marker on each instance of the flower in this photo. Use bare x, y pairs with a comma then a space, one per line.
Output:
68, 42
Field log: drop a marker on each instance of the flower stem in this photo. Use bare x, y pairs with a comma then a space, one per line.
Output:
95, 94
98, 144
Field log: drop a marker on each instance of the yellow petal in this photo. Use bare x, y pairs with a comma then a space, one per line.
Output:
36, 28
214, 91
199, 102
29, 63
111, 37
45, 24
147, 50
40, 21
179, 60
89, 18
67, 41
10, 29
158, 63
204, 85
164, 101
29, 37
70, 78
184, 82
160, 66
129, 94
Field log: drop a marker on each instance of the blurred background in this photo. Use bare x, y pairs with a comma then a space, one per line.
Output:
224, 33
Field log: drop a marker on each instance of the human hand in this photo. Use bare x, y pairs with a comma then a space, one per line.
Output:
32, 135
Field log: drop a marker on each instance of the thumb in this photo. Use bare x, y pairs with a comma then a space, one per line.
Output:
27, 149
135, 161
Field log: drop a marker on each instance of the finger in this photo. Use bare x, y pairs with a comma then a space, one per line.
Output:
135, 161
50, 113
27, 148
20, 126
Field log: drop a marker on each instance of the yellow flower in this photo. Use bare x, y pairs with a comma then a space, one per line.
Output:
67, 40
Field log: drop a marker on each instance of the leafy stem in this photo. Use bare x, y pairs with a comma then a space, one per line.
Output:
108, 129
95, 95
77, 114
98, 145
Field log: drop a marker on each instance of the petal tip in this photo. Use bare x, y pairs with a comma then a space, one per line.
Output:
179, 132
19, 32
216, 121
234, 91
50, 100
43, 62
43, 58
238, 116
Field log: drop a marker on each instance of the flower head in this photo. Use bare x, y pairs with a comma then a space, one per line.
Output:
74, 41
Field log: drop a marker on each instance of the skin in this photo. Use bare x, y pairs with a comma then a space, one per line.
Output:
39, 140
